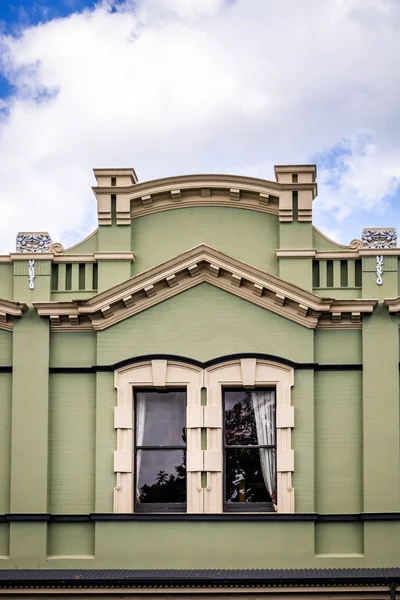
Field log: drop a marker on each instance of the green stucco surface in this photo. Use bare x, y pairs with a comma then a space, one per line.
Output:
73, 349
6, 346
6, 281
203, 323
57, 436
71, 443
5, 442
247, 235
338, 347
338, 442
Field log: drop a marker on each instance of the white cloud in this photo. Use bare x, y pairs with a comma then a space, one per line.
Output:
177, 86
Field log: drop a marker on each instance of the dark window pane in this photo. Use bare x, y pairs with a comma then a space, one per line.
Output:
245, 480
161, 418
240, 424
161, 476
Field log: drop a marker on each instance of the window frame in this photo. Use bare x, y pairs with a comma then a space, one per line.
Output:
246, 373
232, 507
156, 507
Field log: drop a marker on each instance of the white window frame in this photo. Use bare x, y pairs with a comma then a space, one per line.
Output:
248, 373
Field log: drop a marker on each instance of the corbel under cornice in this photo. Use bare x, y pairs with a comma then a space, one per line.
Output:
9, 311
198, 265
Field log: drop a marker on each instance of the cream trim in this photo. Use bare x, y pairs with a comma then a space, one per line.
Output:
162, 373
156, 373
74, 258
141, 199
18, 256
253, 373
295, 253
393, 305
9, 311
130, 256
198, 265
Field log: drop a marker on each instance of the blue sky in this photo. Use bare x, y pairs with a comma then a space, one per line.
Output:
16, 16
178, 86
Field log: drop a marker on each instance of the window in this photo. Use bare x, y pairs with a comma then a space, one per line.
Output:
249, 450
230, 452
160, 450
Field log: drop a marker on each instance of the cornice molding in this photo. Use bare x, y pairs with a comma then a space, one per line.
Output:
393, 305
198, 265
185, 191
9, 311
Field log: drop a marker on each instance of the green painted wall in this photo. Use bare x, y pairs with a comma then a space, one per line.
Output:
5, 442
322, 243
29, 420
71, 443
203, 323
338, 442
57, 430
87, 246
6, 281
303, 440
339, 540
338, 347
247, 235
106, 441
73, 349
6, 345
67, 540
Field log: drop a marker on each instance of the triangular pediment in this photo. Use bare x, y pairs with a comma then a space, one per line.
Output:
198, 265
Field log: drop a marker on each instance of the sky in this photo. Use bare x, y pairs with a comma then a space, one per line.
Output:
172, 87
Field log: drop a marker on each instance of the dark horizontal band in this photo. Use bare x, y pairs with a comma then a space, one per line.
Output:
90, 517
221, 578
313, 366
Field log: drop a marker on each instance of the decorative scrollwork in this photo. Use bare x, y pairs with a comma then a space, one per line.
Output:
56, 248
33, 242
31, 273
379, 270
356, 244
379, 238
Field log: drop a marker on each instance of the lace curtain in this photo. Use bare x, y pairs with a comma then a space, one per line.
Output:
264, 412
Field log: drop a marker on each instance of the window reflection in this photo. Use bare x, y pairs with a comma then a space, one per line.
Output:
250, 461
160, 446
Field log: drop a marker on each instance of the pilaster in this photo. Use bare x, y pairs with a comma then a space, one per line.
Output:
30, 380
380, 386
113, 193
295, 221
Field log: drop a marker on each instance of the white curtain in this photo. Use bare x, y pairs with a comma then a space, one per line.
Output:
140, 421
264, 412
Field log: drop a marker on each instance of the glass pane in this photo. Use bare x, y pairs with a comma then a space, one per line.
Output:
245, 479
161, 476
161, 418
249, 417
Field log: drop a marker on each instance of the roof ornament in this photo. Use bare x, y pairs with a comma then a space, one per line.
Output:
33, 243
379, 238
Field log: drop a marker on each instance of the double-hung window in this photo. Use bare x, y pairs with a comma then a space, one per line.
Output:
160, 451
249, 450
207, 440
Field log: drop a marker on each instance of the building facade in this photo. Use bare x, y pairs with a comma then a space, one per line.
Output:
205, 386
